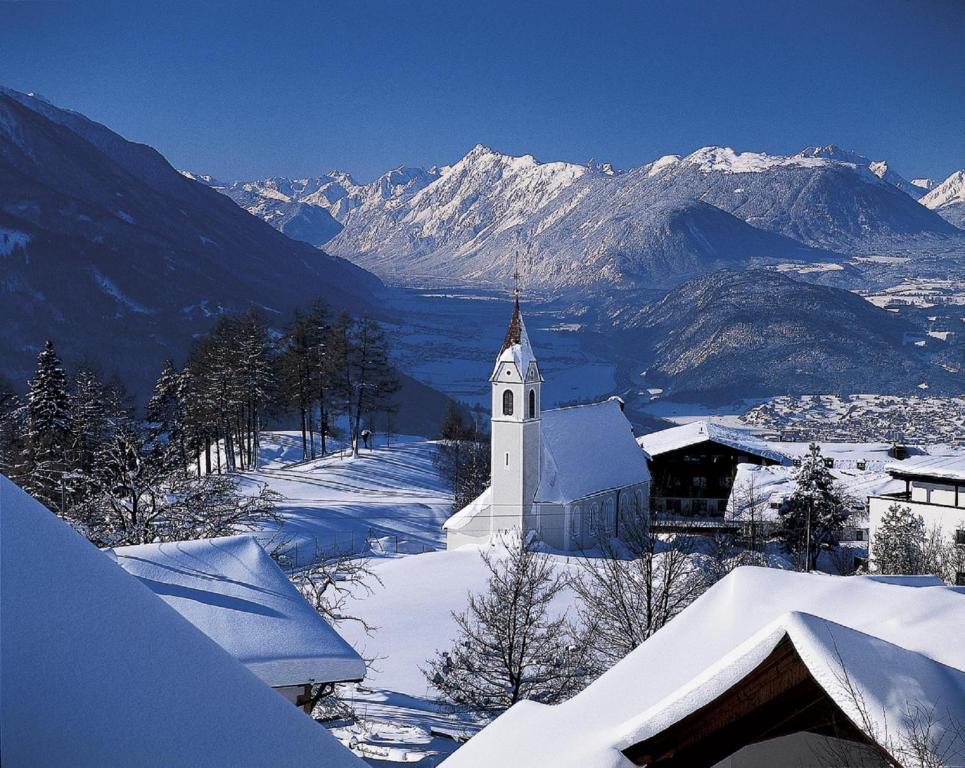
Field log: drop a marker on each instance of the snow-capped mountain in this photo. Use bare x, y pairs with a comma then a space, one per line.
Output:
578, 226
116, 256
948, 199
925, 184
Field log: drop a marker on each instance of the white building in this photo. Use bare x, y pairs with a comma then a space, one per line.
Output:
234, 592
934, 489
569, 474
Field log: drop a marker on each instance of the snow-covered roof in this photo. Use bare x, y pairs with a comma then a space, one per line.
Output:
480, 504
697, 432
98, 671
899, 644
516, 348
235, 593
772, 484
940, 467
588, 449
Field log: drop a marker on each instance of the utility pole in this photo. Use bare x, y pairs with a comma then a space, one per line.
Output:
807, 537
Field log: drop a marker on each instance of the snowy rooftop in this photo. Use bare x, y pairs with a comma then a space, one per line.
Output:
897, 641
98, 671
697, 432
940, 467
233, 591
588, 449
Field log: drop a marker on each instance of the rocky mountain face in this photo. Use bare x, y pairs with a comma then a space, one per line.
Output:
585, 227
121, 259
948, 199
730, 335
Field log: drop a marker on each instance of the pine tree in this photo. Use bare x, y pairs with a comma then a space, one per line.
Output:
48, 431
899, 545
167, 415
373, 381
811, 519
12, 431
510, 647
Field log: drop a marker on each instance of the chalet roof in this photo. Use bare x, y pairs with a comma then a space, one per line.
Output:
516, 348
98, 671
587, 449
235, 593
896, 641
694, 433
938, 467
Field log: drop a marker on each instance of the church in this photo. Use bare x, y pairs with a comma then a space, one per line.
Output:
569, 475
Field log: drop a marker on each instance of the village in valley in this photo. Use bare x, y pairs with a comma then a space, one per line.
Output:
473, 459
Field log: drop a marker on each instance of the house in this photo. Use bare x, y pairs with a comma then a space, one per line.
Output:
692, 470
935, 489
98, 671
568, 474
767, 668
235, 593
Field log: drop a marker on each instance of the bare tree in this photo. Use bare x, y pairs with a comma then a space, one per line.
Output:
750, 505
634, 587
510, 645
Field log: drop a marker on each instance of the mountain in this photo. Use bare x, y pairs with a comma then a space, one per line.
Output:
579, 227
948, 199
120, 259
926, 185
313, 209
732, 335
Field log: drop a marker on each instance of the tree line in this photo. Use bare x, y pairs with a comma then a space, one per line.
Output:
76, 442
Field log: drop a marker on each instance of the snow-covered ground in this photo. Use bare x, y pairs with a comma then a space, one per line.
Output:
390, 498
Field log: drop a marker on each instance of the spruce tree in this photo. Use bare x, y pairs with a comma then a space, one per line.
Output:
815, 513
48, 430
899, 545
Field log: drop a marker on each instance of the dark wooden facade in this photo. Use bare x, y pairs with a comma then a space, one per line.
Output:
778, 698
696, 481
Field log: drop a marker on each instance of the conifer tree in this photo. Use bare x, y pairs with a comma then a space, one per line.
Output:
899, 545
374, 381
812, 517
48, 430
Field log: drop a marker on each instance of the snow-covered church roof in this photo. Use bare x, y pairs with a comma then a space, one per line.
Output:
896, 640
587, 449
98, 671
696, 432
235, 593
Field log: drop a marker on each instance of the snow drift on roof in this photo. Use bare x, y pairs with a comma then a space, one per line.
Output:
233, 591
98, 671
588, 449
922, 624
942, 467
480, 504
697, 432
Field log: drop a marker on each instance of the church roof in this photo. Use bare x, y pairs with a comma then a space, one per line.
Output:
516, 348
587, 449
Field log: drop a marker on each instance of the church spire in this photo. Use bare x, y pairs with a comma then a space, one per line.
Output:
516, 331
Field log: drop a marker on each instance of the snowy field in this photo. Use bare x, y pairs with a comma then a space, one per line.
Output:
389, 498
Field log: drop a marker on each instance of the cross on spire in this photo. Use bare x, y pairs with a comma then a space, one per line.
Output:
516, 276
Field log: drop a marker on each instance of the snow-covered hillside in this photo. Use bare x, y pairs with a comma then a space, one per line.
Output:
578, 226
948, 199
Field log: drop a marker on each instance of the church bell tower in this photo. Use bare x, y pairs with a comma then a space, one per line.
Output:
516, 383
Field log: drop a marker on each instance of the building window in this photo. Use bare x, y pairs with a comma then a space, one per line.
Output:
960, 579
960, 537
508, 402
532, 403
506, 459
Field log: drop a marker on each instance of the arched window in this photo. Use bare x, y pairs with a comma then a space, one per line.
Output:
532, 403
508, 402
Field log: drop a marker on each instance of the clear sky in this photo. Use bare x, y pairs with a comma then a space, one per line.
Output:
246, 89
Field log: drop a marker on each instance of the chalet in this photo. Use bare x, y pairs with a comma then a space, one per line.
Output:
692, 470
567, 474
935, 489
236, 594
767, 668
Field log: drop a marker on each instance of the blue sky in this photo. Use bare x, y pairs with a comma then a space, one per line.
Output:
245, 90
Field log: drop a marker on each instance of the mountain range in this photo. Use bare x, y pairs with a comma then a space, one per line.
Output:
569, 226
